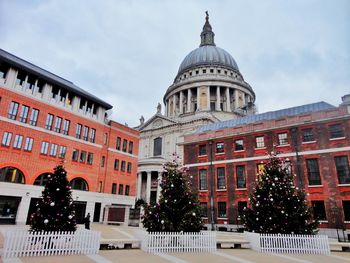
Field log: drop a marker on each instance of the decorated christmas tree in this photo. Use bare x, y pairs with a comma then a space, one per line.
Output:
55, 211
277, 206
178, 208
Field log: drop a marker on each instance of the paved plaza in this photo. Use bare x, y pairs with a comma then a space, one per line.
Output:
138, 256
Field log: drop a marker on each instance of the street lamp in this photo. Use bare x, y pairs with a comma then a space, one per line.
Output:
211, 187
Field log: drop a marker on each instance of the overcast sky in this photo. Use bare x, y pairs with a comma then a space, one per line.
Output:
128, 52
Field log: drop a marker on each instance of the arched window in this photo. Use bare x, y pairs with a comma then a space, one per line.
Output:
157, 146
11, 174
79, 184
42, 179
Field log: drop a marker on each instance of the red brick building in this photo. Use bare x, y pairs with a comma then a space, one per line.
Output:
46, 120
224, 159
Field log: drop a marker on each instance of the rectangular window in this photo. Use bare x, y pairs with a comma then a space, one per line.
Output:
23, 115
239, 145
103, 159
313, 172
202, 150
220, 147
131, 146
157, 146
17, 143
343, 170
58, 123
122, 168
222, 209
12, 113
307, 135
75, 155
33, 119
116, 164
121, 189
114, 188
128, 169
53, 150
6, 139
85, 133
221, 182
259, 142
44, 148
78, 131
282, 138
127, 189
241, 207
65, 129
240, 176
90, 158
62, 152
260, 168
319, 210
203, 179
105, 138
118, 144
49, 120
346, 209
336, 131
28, 145
82, 156
125, 143
100, 186
204, 209
92, 135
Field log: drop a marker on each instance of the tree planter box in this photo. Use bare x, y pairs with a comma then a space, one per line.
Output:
22, 243
293, 244
165, 242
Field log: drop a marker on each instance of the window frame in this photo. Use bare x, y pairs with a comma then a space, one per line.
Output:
28, 144
6, 139
342, 169
203, 179
239, 145
221, 178
44, 149
23, 115
282, 139
313, 171
222, 213
260, 144
13, 110
17, 142
241, 180
307, 135
335, 133
219, 147
49, 121
33, 118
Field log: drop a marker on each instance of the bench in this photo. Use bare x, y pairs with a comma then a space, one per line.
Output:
232, 243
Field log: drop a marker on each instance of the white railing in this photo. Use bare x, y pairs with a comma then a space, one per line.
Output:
165, 242
283, 243
22, 243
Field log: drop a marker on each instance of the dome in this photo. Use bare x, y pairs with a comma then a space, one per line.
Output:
208, 55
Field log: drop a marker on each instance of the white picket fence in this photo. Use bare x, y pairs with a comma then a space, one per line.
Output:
293, 244
165, 242
22, 243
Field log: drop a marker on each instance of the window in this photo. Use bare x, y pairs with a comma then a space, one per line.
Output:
121, 188
343, 170
336, 131
220, 147
204, 209
82, 156
58, 123
33, 119
203, 179
259, 142
282, 139
53, 150
260, 168
66, 124
11, 174
90, 158
78, 130
44, 147
319, 210
313, 172
116, 164
85, 133
131, 146
114, 188
157, 146
308, 135
346, 209
125, 144
202, 150
122, 168
239, 145
28, 145
49, 120
222, 209
17, 143
241, 206
240, 176
6, 139
62, 152
23, 116
221, 183
128, 169
42, 179
75, 155
79, 184
103, 159
127, 189
92, 135
12, 114
118, 144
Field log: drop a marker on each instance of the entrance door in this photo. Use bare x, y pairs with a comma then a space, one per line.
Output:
80, 208
97, 212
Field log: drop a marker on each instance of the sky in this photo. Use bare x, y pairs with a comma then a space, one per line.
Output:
128, 52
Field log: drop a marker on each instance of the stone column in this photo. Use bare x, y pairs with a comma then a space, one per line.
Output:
181, 101
148, 187
228, 107
218, 99
198, 101
236, 99
174, 105
166, 109
139, 184
189, 98
158, 185
208, 98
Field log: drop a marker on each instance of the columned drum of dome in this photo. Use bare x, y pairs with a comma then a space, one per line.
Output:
209, 80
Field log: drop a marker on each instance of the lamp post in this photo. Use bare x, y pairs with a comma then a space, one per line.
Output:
211, 187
